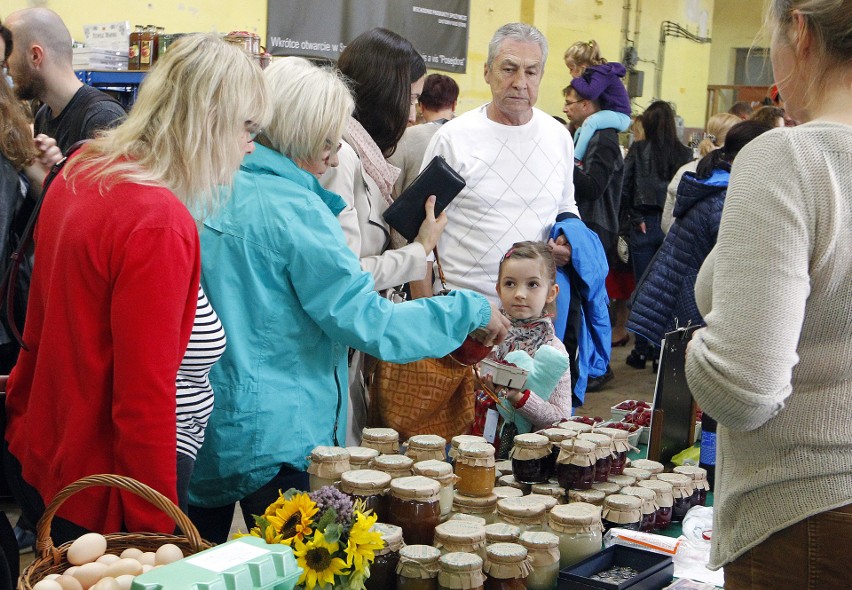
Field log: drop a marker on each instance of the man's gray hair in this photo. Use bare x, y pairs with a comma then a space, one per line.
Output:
519, 32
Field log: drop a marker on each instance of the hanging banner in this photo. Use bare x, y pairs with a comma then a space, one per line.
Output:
322, 28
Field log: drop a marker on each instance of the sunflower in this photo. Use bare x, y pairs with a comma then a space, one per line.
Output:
289, 519
363, 543
317, 560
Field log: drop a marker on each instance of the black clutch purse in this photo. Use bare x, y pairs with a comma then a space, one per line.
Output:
407, 213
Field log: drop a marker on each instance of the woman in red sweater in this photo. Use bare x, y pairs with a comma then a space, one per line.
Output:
115, 286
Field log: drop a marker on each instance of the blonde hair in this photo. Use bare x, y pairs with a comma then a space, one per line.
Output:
184, 130
310, 106
717, 129
585, 53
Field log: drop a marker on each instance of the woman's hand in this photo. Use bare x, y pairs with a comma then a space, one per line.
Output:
431, 228
495, 331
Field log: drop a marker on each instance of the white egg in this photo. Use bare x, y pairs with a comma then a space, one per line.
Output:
125, 566
86, 549
47, 585
132, 552
148, 558
70, 571
125, 581
147, 568
106, 584
69, 583
50, 577
89, 573
107, 558
168, 553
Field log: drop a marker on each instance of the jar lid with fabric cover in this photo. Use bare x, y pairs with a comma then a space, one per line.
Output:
478, 520
606, 487
384, 440
360, 457
622, 481
507, 492
510, 481
423, 447
543, 547
461, 571
698, 475
440, 471
507, 561
603, 443
639, 474
521, 511
557, 435
391, 535
365, 482
458, 440
476, 454
622, 509
619, 438
648, 497
503, 467
682, 486
582, 453
654, 467
453, 533
395, 465
548, 501
595, 497
577, 517
502, 532
554, 490
418, 562
474, 504
576, 426
663, 489
415, 487
329, 462
527, 447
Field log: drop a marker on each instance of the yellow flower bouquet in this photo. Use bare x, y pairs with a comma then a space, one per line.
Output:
330, 535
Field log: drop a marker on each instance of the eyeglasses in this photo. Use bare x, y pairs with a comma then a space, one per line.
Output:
568, 103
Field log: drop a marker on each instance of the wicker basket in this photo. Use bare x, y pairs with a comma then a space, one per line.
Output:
51, 560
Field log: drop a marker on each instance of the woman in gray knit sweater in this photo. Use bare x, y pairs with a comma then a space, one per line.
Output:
774, 364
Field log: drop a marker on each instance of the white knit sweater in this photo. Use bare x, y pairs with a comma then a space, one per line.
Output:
774, 364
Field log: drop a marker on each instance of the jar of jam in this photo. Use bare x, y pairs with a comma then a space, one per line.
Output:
360, 457
607, 487
575, 466
426, 447
524, 513
580, 531
576, 426
442, 472
475, 468
371, 486
639, 474
529, 456
593, 496
556, 436
418, 568
682, 488
649, 506
460, 535
543, 552
384, 440
622, 511
622, 481
554, 490
665, 501
460, 571
603, 454
507, 567
414, 507
654, 467
620, 445
480, 506
394, 465
383, 568
326, 466
457, 441
699, 480
510, 481
503, 467
507, 492
501, 532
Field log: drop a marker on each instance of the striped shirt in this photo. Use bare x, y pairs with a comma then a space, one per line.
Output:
194, 394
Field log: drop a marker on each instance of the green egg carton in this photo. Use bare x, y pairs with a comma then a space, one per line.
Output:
247, 563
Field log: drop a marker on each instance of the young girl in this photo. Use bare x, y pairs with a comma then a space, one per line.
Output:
526, 285
598, 80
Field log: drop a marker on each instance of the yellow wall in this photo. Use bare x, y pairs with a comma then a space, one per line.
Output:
736, 24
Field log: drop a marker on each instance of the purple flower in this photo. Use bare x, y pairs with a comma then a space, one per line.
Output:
329, 497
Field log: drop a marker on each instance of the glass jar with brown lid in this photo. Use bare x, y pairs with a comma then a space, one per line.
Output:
326, 466
383, 568
521, 512
665, 501
360, 457
682, 488
501, 532
699, 480
384, 440
556, 436
543, 552
418, 568
394, 465
475, 468
649, 506
529, 457
638, 473
369, 485
622, 511
460, 535
481, 506
426, 447
414, 507
460, 439
607, 487
442, 472
620, 447
580, 531
603, 453
575, 466
460, 571
507, 567
592, 496
552, 489
622, 481
507, 492
576, 426
654, 467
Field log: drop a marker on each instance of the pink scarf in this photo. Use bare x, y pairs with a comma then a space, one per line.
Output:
375, 165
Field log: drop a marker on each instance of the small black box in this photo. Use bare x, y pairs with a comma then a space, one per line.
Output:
655, 570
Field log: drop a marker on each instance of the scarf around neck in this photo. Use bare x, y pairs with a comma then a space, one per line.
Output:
372, 159
527, 335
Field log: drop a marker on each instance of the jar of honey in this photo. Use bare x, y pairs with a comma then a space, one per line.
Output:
384, 440
426, 447
543, 552
415, 508
682, 488
460, 571
507, 567
575, 466
510, 481
699, 480
507, 492
603, 453
622, 511
480, 506
556, 436
524, 513
665, 501
475, 468
580, 531
649, 506
529, 456
371, 486
554, 490
654, 467
442, 472
326, 466
394, 465
418, 568
460, 535
501, 532
620, 447
639, 474
457, 441
592, 496
383, 568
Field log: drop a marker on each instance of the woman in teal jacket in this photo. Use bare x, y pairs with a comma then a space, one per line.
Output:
292, 298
